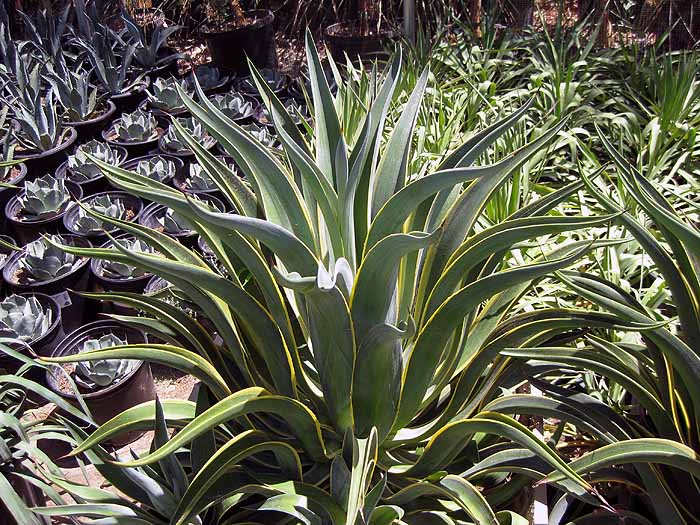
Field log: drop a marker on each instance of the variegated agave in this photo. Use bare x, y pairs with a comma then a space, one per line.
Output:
350, 360
82, 169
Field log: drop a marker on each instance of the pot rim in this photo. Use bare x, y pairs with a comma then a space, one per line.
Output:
63, 168
111, 109
267, 19
73, 135
76, 194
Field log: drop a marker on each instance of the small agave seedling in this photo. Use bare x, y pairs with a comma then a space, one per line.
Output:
93, 375
274, 79
40, 129
173, 222
199, 179
118, 270
43, 197
157, 168
173, 142
82, 169
111, 206
23, 318
234, 105
298, 112
164, 94
263, 135
138, 126
208, 77
42, 261
79, 98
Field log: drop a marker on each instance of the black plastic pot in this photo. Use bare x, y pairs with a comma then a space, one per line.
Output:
136, 388
39, 164
101, 283
153, 212
342, 39
230, 50
179, 163
60, 289
27, 231
90, 129
130, 100
7, 193
134, 149
179, 183
221, 86
132, 203
97, 184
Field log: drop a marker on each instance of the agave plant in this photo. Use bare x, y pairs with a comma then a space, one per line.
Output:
164, 95
42, 260
106, 204
119, 270
25, 86
208, 77
172, 222
23, 318
43, 197
39, 125
273, 79
157, 168
95, 375
263, 135
361, 322
149, 43
110, 67
199, 179
82, 169
138, 126
173, 141
80, 99
234, 105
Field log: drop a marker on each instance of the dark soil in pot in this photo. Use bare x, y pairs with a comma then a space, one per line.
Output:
229, 49
98, 183
132, 204
28, 229
39, 164
62, 289
135, 388
130, 100
134, 149
346, 38
91, 128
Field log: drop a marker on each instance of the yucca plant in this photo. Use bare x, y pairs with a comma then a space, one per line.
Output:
360, 321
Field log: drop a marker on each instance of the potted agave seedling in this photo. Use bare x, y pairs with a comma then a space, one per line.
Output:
197, 180
235, 106
210, 79
298, 112
152, 54
42, 141
233, 36
162, 168
84, 172
137, 132
7, 247
115, 204
108, 386
163, 99
112, 71
111, 276
34, 319
263, 134
172, 144
84, 109
42, 267
276, 81
40, 206
166, 220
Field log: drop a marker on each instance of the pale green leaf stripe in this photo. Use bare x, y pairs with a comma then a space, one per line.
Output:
178, 358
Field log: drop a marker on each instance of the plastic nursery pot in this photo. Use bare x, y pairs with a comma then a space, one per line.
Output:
38, 164
16, 176
130, 100
162, 117
180, 182
179, 163
135, 149
344, 39
229, 49
60, 289
136, 388
98, 183
132, 204
27, 229
91, 128
103, 283
153, 212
